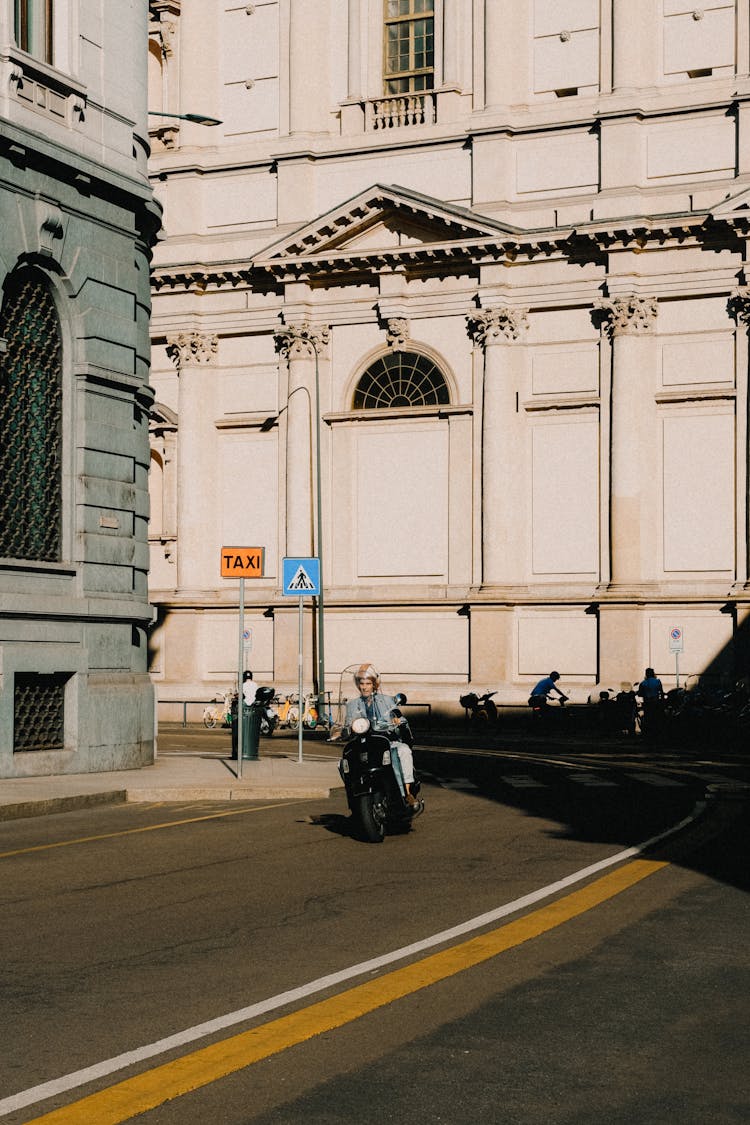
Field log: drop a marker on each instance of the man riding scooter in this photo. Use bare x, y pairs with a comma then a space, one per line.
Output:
378, 708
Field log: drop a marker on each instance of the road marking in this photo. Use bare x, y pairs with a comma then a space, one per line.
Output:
523, 781
456, 783
133, 1096
102, 1070
145, 828
594, 781
657, 779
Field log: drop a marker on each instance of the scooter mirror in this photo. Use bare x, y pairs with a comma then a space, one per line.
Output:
399, 699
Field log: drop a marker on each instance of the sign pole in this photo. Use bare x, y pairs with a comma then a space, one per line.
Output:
240, 666
299, 682
677, 667
301, 579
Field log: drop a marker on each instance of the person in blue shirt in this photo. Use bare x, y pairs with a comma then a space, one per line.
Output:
538, 700
652, 693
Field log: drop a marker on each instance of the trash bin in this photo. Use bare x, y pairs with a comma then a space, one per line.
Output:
251, 732
233, 721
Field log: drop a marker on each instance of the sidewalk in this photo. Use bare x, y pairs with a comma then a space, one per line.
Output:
183, 774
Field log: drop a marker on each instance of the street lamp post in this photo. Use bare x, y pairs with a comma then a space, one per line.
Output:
321, 656
195, 118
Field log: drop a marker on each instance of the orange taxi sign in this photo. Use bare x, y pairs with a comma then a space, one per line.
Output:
242, 562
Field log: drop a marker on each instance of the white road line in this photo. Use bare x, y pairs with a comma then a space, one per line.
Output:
592, 780
657, 779
522, 781
211, 1027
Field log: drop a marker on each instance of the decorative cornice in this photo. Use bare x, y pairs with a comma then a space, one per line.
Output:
300, 341
500, 325
627, 316
191, 348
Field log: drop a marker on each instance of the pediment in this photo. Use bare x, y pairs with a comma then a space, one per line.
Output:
384, 219
733, 206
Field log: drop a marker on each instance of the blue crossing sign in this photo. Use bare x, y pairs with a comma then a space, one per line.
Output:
301, 578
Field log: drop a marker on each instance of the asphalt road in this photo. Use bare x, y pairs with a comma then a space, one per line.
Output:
620, 998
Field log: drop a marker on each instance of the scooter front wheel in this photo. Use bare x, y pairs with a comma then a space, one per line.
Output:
372, 825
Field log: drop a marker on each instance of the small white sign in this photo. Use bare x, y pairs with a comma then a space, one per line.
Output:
676, 639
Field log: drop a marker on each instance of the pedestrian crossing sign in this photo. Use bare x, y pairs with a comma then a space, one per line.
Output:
301, 578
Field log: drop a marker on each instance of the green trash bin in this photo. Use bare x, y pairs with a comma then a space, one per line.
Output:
250, 732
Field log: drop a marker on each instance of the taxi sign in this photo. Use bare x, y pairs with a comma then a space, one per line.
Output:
301, 578
242, 562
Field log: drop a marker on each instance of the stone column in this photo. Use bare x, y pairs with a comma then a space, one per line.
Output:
498, 29
498, 331
354, 56
451, 39
298, 344
309, 69
635, 39
192, 353
739, 307
630, 322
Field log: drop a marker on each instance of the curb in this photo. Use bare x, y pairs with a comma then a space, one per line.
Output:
48, 805
204, 793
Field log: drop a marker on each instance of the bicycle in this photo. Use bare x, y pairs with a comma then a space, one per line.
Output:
213, 715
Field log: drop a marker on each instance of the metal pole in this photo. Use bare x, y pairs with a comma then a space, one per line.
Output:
677, 667
240, 664
321, 650
299, 686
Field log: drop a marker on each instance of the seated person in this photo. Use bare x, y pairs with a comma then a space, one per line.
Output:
378, 708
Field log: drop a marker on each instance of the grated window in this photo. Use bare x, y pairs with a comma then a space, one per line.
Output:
30, 422
38, 712
401, 379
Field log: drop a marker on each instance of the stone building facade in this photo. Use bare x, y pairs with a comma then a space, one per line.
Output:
482, 262
77, 218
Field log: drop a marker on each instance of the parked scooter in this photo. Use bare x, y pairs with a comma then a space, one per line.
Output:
480, 709
374, 789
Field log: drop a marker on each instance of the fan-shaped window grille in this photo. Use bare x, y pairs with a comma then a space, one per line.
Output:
401, 379
30, 422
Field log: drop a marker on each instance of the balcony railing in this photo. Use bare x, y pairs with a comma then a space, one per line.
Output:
399, 111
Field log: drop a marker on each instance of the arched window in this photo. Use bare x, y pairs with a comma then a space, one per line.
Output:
401, 379
30, 421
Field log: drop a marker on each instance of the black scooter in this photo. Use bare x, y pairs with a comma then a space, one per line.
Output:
372, 789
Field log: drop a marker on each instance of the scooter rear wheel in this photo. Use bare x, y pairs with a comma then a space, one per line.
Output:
373, 826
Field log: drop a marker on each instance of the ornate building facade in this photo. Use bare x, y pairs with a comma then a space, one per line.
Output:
77, 219
472, 272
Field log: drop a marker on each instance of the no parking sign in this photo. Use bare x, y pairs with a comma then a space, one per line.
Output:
676, 639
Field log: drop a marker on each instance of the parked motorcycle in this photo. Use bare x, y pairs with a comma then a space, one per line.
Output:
373, 792
480, 709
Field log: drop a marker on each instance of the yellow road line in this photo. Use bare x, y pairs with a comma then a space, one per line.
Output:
146, 1091
145, 828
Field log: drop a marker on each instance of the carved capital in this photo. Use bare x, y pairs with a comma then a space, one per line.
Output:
300, 341
738, 305
497, 326
397, 333
191, 348
627, 316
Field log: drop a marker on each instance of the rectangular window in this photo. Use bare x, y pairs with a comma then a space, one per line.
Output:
33, 28
409, 46
38, 712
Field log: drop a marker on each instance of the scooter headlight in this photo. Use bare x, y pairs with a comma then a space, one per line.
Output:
386, 757
360, 725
